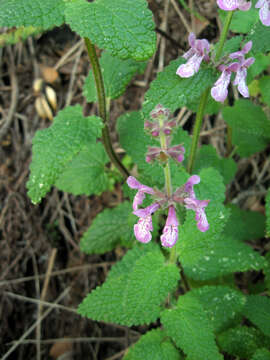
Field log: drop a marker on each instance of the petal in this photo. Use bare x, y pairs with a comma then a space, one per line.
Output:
188, 54
142, 231
244, 5
190, 67
143, 213
247, 47
169, 236
248, 62
138, 199
188, 187
172, 218
260, 3
240, 80
191, 39
228, 5
133, 183
220, 90
202, 222
265, 14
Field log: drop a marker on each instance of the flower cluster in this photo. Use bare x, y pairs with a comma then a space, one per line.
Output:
238, 66
199, 50
184, 195
263, 5
220, 89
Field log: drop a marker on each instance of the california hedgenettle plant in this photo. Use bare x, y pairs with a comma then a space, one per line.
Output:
184, 243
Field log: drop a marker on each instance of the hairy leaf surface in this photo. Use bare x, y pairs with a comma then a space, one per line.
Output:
250, 127
191, 330
110, 228
154, 345
38, 13
86, 174
134, 292
55, 147
123, 27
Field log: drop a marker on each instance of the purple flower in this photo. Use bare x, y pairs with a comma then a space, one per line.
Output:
196, 205
230, 5
243, 64
199, 51
219, 91
264, 6
176, 152
142, 189
170, 232
143, 228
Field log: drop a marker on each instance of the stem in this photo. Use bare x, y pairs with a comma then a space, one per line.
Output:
229, 141
197, 129
167, 170
102, 107
204, 96
224, 34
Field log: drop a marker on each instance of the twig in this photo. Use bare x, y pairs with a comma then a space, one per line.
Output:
56, 273
43, 297
73, 74
79, 340
183, 19
163, 27
64, 58
14, 98
116, 356
46, 313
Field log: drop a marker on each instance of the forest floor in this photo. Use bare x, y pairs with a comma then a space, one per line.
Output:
39, 244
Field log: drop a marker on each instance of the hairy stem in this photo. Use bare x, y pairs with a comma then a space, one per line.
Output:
204, 97
102, 107
167, 170
224, 34
197, 129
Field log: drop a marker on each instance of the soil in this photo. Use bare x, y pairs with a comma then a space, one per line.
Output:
34, 238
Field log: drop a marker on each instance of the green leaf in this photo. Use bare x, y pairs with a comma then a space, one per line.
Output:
85, 174
208, 157
250, 127
264, 84
231, 45
38, 13
154, 345
205, 259
244, 225
109, 229
242, 21
261, 63
267, 211
14, 36
123, 27
191, 330
261, 354
266, 270
117, 74
241, 341
134, 292
134, 140
208, 255
172, 91
257, 310
55, 147
221, 303
259, 36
